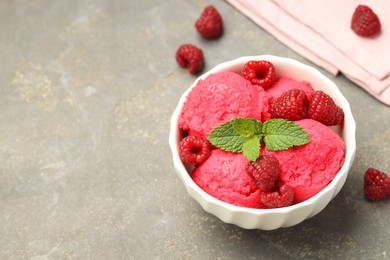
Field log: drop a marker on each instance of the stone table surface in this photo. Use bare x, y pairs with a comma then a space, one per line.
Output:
87, 91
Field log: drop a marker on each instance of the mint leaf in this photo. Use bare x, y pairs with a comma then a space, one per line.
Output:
246, 135
281, 134
247, 127
251, 148
227, 138
231, 135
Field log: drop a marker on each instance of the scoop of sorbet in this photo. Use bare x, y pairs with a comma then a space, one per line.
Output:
219, 98
224, 177
311, 167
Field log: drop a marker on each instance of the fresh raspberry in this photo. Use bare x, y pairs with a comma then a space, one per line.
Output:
194, 149
265, 170
191, 57
365, 22
376, 184
260, 73
323, 109
291, 105
282, 197
210, 24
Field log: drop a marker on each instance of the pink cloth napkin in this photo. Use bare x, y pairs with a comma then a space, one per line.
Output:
321, 32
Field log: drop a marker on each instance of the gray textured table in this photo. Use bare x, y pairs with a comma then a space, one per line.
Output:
87, 91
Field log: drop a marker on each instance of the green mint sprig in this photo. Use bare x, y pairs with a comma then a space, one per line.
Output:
246, 135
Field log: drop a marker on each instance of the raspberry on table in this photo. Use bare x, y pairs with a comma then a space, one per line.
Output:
210, 24
291, 105
365, 22
194, 149
260, 73
376, 184
323, 109
283, 196
191, 57
265, 170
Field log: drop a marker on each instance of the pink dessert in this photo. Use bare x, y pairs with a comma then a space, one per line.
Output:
309, 168
219, 98
224, 96
284, 84
223, 176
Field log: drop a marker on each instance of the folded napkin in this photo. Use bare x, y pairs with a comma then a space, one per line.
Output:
321, 32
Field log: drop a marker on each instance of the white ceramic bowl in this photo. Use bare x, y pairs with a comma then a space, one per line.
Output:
268, 219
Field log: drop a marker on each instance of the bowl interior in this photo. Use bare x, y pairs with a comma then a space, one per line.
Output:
256, 218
